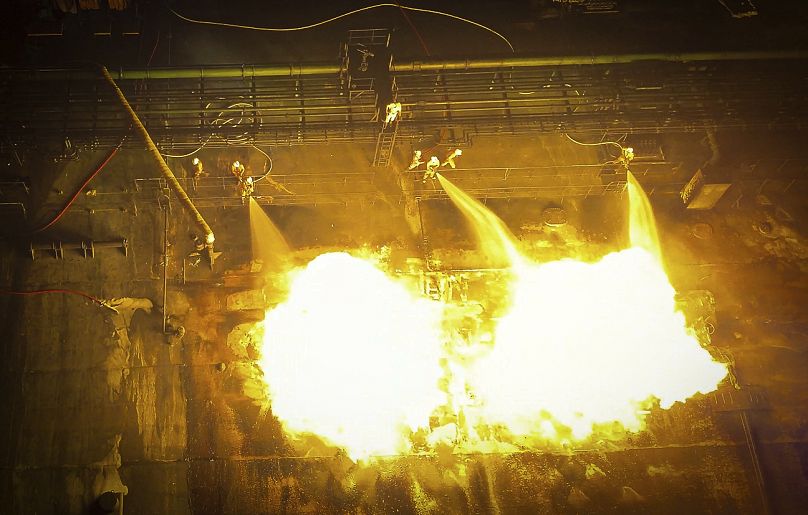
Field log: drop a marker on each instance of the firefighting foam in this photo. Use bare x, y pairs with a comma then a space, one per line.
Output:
580, 350
353, 357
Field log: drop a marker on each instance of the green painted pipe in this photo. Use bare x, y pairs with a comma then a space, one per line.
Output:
247, 71
584, 60
250, 71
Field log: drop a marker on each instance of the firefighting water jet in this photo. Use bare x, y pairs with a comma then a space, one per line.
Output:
641, 222
268, 244
495, 242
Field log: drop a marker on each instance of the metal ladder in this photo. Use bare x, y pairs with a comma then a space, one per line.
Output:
386, 139
385, 142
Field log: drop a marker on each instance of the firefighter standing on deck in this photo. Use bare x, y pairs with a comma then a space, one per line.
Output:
431, 168
246, 185
416, 160
449, 161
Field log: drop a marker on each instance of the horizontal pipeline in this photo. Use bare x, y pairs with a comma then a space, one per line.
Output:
585, 60
250, 71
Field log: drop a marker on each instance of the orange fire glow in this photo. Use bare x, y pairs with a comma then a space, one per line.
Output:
353, 356
589, 344
357, 357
